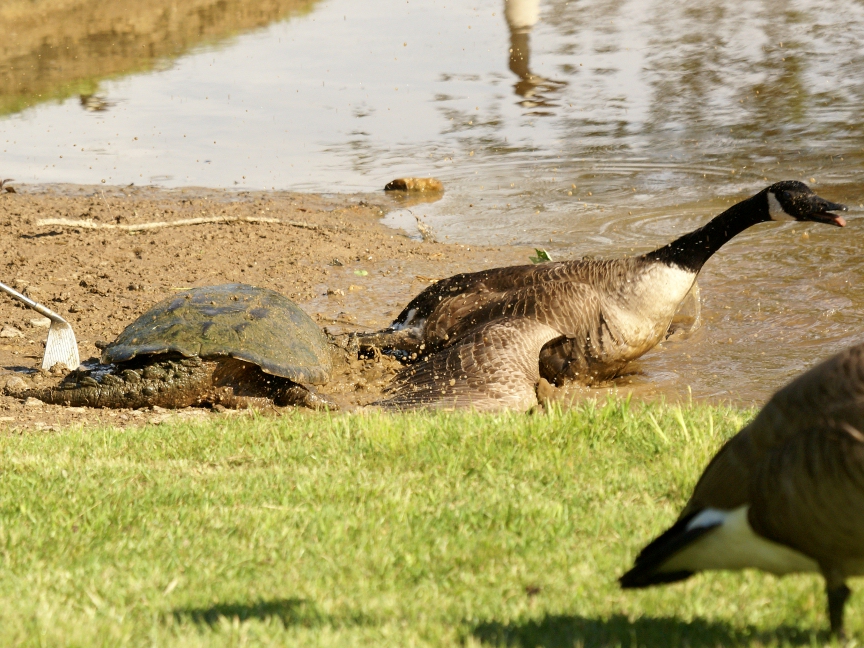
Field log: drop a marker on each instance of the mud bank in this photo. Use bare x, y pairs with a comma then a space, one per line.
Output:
330, 254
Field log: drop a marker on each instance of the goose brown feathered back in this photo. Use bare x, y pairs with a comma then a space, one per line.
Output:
606, 312
830, 392
785, 494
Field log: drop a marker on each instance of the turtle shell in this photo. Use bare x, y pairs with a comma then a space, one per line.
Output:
245, 322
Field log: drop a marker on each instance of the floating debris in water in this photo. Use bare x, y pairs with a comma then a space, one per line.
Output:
94, 103
414, 184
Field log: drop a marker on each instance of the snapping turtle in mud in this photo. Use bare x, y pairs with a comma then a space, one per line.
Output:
231, 345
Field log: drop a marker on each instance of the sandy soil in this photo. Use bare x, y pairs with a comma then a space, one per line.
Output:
331, 254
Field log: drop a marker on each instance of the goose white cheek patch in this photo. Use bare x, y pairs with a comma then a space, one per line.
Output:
775, 209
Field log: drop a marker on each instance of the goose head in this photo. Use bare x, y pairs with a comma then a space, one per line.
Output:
793, 200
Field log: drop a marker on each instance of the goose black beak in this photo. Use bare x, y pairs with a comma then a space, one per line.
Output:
821, 212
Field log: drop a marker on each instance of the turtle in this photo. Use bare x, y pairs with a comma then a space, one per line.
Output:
232, 345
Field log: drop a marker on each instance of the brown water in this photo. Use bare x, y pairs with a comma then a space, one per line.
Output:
585, 127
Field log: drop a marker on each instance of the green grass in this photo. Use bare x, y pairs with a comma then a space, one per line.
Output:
311, 530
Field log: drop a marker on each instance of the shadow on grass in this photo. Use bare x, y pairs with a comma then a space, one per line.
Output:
291, 612
557, 631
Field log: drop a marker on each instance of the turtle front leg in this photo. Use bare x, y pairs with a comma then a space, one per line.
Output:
300, 396
242, 384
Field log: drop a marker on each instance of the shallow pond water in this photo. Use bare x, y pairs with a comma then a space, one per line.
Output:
584, 127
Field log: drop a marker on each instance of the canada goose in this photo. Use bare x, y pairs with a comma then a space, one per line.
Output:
785, 494
585, 319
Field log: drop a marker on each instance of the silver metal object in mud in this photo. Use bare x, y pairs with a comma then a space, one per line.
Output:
61, 345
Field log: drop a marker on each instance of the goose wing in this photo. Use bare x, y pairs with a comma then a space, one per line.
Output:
572, 309
434, 300
829, 394
494, 280
493, 367
808, 494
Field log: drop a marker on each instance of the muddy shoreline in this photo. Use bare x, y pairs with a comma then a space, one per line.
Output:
331, 254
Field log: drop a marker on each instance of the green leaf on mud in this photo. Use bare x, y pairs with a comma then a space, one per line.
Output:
542, 256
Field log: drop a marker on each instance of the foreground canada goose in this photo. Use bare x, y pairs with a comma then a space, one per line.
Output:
785, 494
478, 336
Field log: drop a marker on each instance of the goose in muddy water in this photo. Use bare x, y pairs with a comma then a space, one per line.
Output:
484, 339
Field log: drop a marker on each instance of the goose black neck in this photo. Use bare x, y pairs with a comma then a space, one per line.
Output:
691, 251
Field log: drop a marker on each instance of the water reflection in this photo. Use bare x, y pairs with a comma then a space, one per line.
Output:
521, 17
94, 103
60, 49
